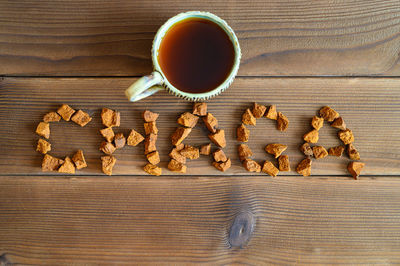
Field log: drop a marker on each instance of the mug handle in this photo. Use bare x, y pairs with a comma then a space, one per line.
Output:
145, 86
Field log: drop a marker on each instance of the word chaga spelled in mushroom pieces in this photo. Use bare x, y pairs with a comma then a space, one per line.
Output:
180, 152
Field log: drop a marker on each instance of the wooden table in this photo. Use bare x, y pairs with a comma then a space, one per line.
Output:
299, 55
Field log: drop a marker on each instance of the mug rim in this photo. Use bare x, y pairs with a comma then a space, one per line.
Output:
223, 25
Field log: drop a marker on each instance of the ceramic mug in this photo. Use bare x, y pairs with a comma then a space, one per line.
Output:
156, 81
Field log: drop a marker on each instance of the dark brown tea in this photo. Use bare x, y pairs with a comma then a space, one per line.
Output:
196, 55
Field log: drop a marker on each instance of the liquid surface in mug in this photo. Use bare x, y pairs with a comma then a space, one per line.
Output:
196, 55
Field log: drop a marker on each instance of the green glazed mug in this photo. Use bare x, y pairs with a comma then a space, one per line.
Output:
156, 81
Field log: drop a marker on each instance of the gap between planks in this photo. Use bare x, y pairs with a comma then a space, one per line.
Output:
298, 178
238, 76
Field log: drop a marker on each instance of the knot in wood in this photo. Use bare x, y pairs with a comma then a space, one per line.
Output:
4, 261
241, 229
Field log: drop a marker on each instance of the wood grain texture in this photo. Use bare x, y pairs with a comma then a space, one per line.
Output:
368, 105
128, 220
75, 38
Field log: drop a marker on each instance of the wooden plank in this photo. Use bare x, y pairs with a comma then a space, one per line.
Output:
277, 37
89, 220
369, 106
